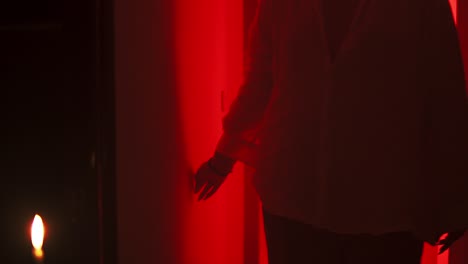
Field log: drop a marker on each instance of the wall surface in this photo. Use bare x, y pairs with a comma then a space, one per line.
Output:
174, 59
208, 54
149, 150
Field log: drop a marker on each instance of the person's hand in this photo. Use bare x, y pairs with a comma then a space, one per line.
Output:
451, 237
207, 180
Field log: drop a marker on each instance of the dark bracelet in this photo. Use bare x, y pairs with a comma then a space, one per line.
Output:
215, 170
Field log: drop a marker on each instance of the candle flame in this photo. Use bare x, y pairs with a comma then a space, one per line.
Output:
37, 233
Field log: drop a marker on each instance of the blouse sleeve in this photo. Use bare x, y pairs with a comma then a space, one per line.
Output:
241, 123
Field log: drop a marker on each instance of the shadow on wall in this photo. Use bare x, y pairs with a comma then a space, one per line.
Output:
152, 172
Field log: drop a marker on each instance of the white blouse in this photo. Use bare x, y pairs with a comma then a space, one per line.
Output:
373, 139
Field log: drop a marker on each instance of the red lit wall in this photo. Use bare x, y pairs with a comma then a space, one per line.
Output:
174, 58
208, 56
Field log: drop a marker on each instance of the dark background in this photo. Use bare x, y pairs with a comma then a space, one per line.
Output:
56, 107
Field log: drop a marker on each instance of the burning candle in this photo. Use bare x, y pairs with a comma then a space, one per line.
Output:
37, 238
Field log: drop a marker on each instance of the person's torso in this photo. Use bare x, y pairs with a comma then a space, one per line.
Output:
356, 103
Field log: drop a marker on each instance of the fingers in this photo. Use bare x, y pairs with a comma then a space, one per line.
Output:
207, 188
198, 185
442, 242
206, 181
447, 242
213, 191
200, 178
444, 248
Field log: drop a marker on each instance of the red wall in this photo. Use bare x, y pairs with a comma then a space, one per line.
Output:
173, 59
208, 56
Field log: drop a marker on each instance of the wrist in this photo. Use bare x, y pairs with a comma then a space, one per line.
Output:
221, 164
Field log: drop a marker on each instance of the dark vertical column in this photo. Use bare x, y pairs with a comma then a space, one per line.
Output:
148, 137
104, 153
459, 251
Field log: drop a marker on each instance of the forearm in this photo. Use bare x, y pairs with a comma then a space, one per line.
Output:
246, 113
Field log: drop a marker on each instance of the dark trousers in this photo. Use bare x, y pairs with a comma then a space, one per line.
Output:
291, 242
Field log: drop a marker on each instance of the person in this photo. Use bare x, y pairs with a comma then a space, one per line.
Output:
354, 116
